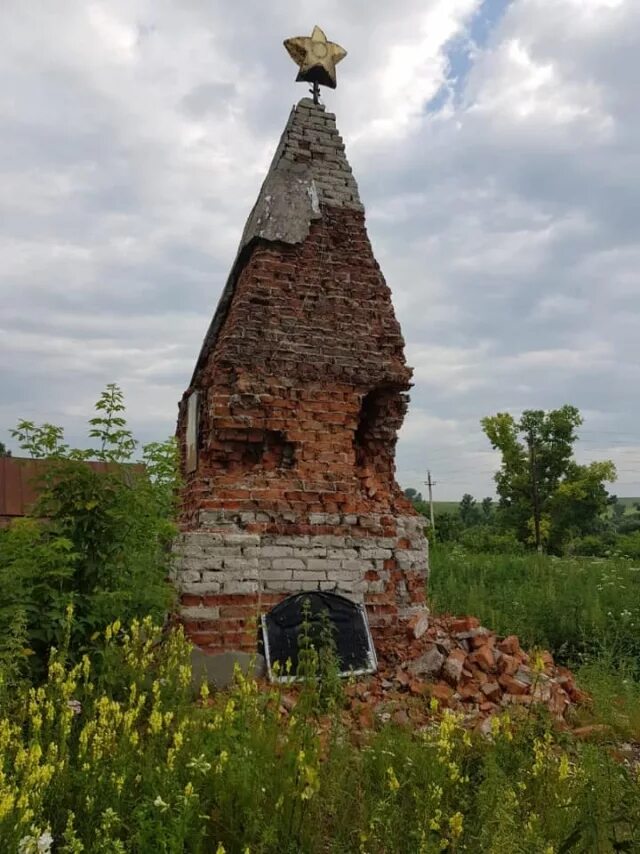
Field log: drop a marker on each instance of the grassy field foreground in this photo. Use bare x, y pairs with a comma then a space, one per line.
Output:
113, 753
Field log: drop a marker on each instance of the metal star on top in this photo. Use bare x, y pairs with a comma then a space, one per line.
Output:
316, 57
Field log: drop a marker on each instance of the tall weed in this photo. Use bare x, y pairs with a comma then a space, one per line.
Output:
124, 760
577, 607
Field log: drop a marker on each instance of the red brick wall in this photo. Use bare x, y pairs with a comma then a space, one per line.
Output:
304, 392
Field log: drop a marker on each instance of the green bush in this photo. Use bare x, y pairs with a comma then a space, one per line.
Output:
593, 545
485, 538
629, 545
101, 540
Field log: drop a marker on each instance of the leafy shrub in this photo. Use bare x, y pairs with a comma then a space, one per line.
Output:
101, 540
629, 545
485, 538
36, 571
593, 545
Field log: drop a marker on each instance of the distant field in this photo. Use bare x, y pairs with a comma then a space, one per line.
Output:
628, 503
445, 506
452, 506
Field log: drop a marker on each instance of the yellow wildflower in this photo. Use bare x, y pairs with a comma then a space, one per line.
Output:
564, 768
155, 721
392, 780
455, 824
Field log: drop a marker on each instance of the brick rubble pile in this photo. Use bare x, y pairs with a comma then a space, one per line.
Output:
465, 667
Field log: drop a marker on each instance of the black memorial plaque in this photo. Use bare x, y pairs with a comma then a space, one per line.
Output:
282, 626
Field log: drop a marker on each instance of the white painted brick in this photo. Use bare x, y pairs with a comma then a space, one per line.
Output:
242, 539
276, 574
308, 585
236, 586
385, 543
184, 576
211, 563
327, 540
241, 564
302, 540
356, 565
342, 554
283, 586
226, 551
341, 575
408, 558
323, 564
210, 577
275, 551
216, 519
375, 554
309, 575
353, 586
287, 563
375, 587
200, 588
309, 551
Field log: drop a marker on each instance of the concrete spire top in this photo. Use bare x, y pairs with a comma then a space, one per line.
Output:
308, 174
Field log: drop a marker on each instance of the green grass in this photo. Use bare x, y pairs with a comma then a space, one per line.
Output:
628, 503
586, 611
574, 606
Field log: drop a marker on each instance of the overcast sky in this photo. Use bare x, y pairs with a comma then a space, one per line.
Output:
497, 150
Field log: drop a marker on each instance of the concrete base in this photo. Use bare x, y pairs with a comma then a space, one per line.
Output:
228, 576
218, 670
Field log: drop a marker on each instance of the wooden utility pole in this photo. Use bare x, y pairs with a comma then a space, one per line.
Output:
431, 484
534, 491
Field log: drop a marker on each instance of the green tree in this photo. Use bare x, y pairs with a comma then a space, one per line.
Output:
413, 494
113, 527
545, 495
448, 526
487, 509
617, 509
3, 450
468, 511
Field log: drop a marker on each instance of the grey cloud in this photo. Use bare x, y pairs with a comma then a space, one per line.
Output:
134, 138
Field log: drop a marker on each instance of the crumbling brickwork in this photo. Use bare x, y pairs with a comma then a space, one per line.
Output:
288, 429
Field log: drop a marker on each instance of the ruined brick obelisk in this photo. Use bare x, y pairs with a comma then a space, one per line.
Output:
288, 428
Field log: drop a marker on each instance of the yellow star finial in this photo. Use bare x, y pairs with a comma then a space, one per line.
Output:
316, 57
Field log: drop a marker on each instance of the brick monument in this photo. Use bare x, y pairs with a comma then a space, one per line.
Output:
289, 425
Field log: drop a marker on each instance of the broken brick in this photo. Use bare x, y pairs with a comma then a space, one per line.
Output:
453, 666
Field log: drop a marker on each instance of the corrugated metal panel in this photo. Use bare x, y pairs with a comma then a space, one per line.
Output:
19, 483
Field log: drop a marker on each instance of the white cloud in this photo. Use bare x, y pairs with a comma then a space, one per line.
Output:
134, 137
